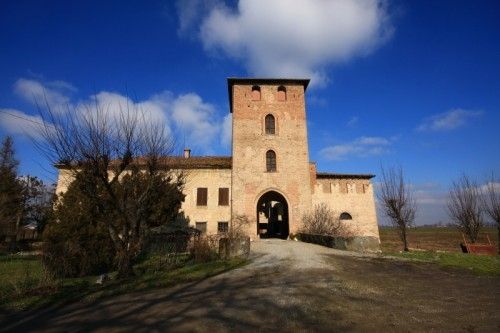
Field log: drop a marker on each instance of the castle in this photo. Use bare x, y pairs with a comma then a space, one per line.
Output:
269, 177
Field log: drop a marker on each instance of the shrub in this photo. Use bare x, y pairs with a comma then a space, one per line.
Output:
74, 244
204, 248
324, 221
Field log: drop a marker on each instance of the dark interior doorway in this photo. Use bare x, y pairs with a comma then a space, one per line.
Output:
272, 216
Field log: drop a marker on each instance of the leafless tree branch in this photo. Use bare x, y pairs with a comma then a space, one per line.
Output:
397, 201
464, 207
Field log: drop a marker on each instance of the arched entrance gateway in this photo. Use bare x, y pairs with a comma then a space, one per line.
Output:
272, 216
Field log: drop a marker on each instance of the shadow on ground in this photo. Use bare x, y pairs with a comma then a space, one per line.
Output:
281, 292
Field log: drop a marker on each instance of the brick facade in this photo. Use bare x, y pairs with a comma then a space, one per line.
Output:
246, 173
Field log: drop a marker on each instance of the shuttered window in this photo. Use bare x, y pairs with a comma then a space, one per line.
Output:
202, 227
223, 196
201, 196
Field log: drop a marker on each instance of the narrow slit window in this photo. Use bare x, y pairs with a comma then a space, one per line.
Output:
270, 124
270, 161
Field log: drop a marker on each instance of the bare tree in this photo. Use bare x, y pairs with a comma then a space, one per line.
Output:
492, 203
324, 221
123, 157
464, 207
397, 201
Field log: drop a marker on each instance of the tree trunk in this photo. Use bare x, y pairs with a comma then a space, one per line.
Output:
124, 263
405, 240
498, 239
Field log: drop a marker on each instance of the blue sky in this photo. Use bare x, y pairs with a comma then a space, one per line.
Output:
415, 83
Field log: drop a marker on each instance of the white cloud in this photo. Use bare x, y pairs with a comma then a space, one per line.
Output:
448, 120
227, 130
285, 38
114, 105
184, 115
54, 94
486, 187
191, 11
360, 147
17, 122
195, 119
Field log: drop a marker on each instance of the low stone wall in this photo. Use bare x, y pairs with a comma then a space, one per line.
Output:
234, 247
356, 243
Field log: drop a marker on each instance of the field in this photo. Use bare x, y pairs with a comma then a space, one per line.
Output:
441, 246
430, 239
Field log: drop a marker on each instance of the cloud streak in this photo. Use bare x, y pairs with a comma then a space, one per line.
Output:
364, 146
447, 121
17, 122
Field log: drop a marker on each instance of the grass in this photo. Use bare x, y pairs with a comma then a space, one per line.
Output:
477, 264
441, 246
25, 285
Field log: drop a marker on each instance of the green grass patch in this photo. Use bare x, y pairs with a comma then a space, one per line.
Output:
25, 285
478, 264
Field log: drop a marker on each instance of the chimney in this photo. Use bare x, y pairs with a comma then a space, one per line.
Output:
187, 153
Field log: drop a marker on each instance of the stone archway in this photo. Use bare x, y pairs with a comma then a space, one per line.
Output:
272, 216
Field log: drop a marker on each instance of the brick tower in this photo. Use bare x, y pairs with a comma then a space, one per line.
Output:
271, 180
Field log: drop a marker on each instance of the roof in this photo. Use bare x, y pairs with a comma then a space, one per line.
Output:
199, 162
343, 175
193, 162
253, 81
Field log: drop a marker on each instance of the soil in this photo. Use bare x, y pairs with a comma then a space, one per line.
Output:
296, 287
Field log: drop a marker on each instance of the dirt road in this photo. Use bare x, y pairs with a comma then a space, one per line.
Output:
298, 287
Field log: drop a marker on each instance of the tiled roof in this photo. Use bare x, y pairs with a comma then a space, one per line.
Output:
193, 162
343, 175
199, 162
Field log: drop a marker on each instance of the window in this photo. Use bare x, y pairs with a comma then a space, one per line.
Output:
270, 124
255, 93
345, 216
281, 93
270, 161
202, 227
222, 227
201, 196
223, 196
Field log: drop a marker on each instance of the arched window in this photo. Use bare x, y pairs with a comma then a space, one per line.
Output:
270, 161
255, 93
281, 93
270, 124
345, 216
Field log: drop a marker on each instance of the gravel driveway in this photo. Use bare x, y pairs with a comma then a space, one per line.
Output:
298, 287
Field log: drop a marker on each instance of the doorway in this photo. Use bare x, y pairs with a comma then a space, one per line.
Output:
272, 216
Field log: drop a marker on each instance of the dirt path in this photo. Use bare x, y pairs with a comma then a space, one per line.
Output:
298, 287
